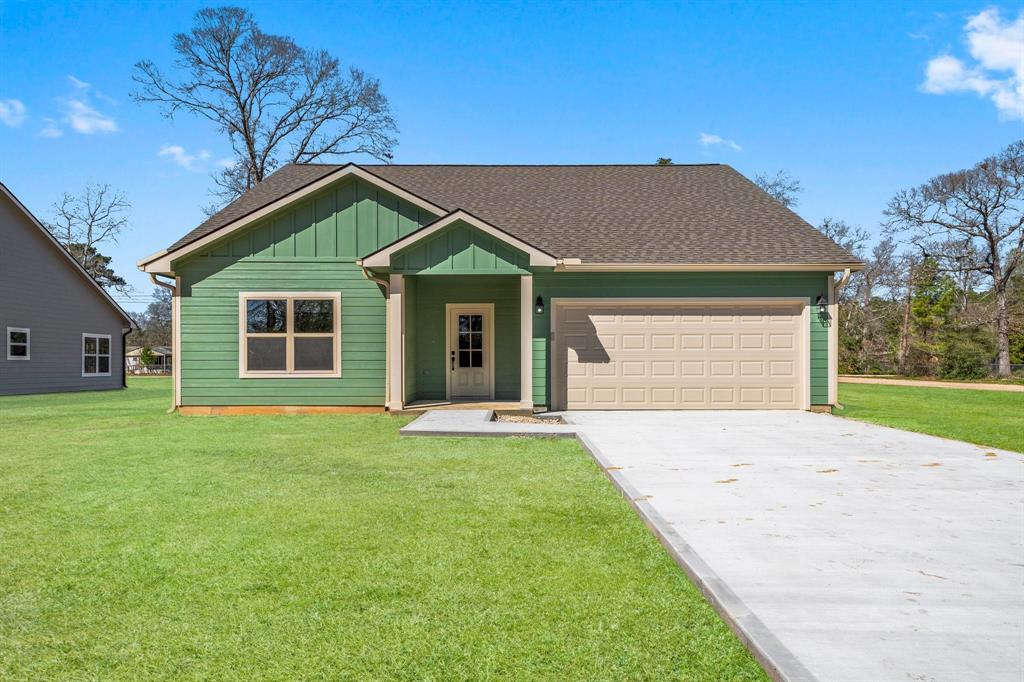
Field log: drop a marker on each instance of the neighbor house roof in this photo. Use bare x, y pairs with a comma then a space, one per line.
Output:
612, 214
66, 256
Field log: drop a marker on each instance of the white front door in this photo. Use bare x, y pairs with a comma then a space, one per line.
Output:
468, 353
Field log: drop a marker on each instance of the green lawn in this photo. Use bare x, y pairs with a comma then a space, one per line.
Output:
992, 418
137, 544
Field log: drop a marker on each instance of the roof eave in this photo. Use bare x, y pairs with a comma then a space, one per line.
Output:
162, 262
576, 265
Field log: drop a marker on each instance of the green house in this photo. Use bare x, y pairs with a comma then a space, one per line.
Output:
333, 287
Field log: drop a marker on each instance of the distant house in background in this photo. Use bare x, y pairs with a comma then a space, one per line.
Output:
60, 330
163, 360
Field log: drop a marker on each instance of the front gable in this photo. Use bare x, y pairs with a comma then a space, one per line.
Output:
344, 221
460, 249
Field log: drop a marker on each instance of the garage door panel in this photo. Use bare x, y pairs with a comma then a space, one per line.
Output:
684, 356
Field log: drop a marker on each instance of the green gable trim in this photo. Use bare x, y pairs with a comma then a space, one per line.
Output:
345, 221
460, 249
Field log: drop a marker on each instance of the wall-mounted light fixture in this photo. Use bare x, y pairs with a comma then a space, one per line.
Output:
540, 306
822, 304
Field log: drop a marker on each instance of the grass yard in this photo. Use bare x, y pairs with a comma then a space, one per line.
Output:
992, 418
137, 544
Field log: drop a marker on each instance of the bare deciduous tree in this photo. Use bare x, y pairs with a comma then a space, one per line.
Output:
981, 211
84, 222
782, 187
274, 100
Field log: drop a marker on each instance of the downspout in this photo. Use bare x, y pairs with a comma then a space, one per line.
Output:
843, 280
386, 285
174, 347
124, 356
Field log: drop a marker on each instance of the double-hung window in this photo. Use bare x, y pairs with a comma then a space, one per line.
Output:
292, 334
18, 343
95, 355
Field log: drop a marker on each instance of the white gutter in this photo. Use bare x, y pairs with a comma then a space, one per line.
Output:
159, 283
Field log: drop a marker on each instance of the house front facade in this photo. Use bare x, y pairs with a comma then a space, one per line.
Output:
558, 287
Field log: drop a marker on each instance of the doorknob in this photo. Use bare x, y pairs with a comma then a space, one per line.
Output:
453, 361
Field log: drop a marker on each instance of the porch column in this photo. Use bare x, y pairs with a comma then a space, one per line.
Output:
526, 342
396, 343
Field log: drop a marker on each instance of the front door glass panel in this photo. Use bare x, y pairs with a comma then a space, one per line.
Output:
471, 340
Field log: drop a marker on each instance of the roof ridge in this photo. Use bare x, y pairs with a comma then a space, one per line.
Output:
510, 165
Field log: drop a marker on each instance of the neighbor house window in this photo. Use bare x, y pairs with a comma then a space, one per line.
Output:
95, 355
18, 343
289, 334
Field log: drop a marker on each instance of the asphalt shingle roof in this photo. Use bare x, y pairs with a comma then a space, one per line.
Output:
686, 214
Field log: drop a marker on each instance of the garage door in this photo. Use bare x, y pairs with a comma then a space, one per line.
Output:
692, 355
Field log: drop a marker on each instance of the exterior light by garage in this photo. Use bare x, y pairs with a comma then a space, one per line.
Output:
822, 304
540, 306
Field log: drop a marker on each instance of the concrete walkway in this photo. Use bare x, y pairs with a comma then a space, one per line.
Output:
837, 550
962, 385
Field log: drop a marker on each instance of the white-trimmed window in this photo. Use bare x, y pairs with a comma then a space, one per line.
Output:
95, 355
289, 334
19, 343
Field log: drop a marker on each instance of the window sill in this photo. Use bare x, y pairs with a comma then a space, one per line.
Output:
95, 374
289, 375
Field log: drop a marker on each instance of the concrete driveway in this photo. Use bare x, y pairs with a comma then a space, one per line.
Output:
844, 551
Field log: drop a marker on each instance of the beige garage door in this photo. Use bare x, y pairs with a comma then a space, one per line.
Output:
691, 355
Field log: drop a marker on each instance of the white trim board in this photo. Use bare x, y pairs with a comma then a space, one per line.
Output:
289, 334
109, 355
27, 344
556, 401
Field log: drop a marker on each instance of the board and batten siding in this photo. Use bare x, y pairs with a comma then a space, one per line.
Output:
550, 285
41, 290
310, 246
457, 250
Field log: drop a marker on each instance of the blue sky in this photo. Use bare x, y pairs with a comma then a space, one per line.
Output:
856, 100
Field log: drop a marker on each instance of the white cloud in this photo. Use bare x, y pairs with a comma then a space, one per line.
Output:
708, 140
84, 119
12, 112
192, 162
79, 84
997, 48
50, 129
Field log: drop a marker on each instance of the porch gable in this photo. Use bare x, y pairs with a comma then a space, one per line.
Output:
460, 249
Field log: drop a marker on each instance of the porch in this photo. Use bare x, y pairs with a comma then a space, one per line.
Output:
460, 339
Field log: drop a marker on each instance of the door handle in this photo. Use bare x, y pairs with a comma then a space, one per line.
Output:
453, 361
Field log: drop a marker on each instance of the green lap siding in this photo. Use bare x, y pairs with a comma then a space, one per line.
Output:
209, 333
678, 285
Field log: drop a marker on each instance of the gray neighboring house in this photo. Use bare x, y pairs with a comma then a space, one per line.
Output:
61, 330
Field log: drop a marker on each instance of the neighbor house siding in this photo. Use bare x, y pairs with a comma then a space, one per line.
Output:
432, 294
678, 285
40, 289
310, 246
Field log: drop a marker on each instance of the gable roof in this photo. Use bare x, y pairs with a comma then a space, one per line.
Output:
382, 257
605, 214
66, 257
